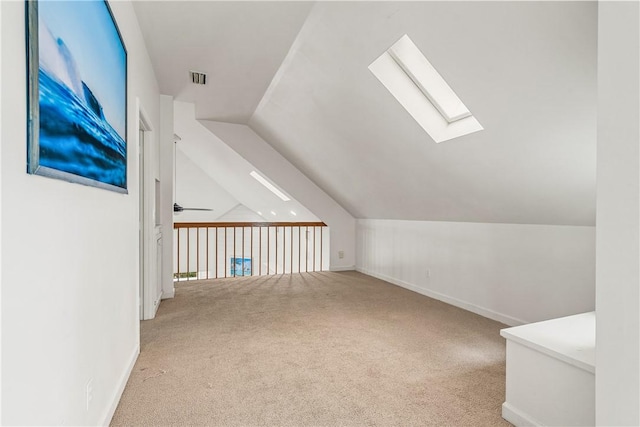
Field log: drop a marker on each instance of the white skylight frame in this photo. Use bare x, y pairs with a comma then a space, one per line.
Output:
422, 91
262, 180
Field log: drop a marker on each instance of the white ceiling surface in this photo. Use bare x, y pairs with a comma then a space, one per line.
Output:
239, 45
230, 183
526, 71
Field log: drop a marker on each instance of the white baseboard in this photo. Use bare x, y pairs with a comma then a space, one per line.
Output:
347, 268
106, 420
516, 417
156, 303
484, 312
169, 294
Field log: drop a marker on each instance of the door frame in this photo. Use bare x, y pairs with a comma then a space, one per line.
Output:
146, 189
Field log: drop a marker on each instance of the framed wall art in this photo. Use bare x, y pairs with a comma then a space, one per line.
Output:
77, 93
240, 266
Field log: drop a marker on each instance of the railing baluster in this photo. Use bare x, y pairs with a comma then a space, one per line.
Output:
216, 251
178, 230
251, 266
299, 249
188, 259
225, 252
314, 249
242, 251
291, 249
268, 250
207, 253
321, 233
260, 252
306, 256
197, 253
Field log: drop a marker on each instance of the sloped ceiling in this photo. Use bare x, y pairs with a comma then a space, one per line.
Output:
225, 176
526, 70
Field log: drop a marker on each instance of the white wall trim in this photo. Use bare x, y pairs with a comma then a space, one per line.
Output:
490, 314
517, 417
169, 294
106, 420
345, 268
156, 303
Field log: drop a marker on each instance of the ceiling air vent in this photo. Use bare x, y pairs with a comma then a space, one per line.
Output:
198, 78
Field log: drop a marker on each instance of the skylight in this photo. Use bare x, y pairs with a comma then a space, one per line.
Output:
262, 180
422, 91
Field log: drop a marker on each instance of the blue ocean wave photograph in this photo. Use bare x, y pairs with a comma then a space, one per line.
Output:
240, 266
76, 138
81, 92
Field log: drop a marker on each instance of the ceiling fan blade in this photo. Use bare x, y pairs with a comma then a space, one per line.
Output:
178, 208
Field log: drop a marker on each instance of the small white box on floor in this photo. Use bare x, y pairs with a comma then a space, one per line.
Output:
551, 372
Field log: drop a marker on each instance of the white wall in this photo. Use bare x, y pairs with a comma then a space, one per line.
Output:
70, 259
258, 152
618, 216
508, 272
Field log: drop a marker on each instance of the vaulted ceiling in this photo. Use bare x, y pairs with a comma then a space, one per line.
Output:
296, 72
209, 174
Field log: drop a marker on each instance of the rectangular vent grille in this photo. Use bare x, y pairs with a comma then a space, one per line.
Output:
198, 78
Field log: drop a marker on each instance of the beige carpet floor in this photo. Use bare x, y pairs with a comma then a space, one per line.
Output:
313, 349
